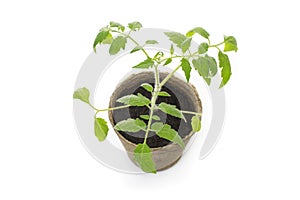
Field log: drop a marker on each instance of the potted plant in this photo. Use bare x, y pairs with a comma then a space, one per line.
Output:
155, 113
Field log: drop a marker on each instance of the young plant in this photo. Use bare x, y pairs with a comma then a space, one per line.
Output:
207, 67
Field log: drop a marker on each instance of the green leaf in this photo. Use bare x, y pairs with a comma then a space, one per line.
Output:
186, 67
116, 45
147, 117
164, 94
117, 25
158, 55
137, 48
134, 100
230, 44
100, 128
176, 38
145, 64
200, 31
207, 80
196, 123
190, 33
143, 156
130, 125
165, 131
147, 87
206, 66
100, 38
108, 39
180, 40
82, 94
185, 45
151, 42
135, 26
104, 29
213, 68
203, 47
157, 126
155, 117
224, 63
201, 65
171, 110
168, 61
172, 49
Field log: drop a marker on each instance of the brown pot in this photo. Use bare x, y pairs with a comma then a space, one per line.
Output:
183, 95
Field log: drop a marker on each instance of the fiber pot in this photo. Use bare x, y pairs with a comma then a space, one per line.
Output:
184, 95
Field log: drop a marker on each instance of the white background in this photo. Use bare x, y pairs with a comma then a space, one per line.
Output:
42, 47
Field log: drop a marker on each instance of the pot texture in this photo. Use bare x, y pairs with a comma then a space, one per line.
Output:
165, 153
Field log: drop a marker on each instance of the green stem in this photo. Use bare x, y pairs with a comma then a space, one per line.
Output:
216, 45
134, 41
93, 106
114, 108
153, 101
190, 52
192, 55
184, 111
168, 77
108, 109
218, 48
176, 56
192, 113
156, 77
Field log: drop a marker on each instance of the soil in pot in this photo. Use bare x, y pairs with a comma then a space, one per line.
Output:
179, 97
